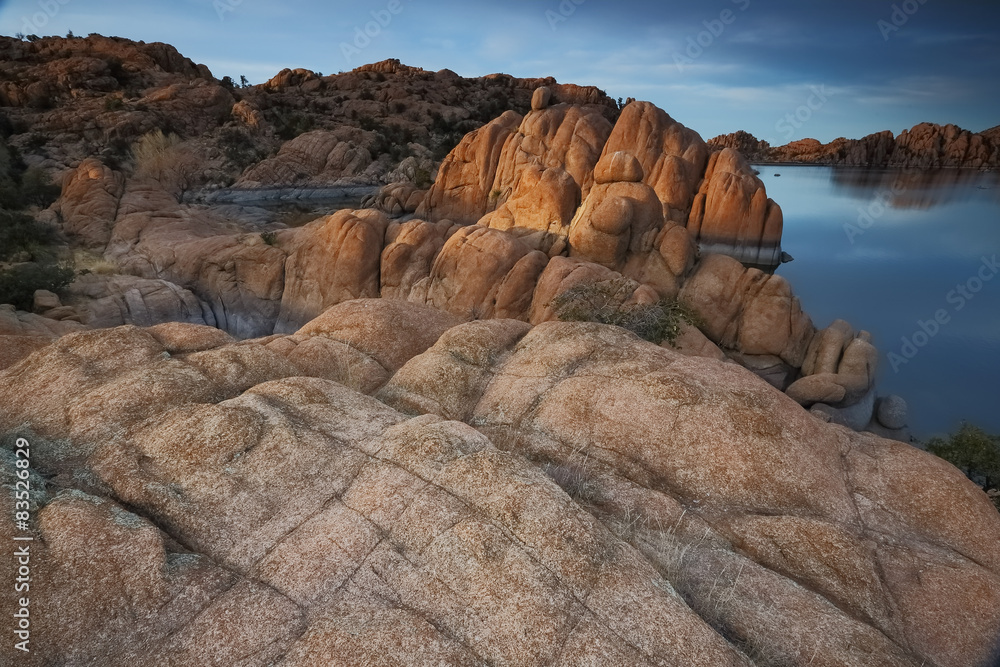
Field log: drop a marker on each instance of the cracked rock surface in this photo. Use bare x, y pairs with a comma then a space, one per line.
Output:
559, 495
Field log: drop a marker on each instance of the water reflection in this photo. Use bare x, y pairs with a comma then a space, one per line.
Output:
915, 188
887, 262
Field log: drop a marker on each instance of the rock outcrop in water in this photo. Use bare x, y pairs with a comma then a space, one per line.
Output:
563, 494
925, 146
548, 161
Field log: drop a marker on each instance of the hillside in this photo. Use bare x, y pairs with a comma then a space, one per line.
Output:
65, 100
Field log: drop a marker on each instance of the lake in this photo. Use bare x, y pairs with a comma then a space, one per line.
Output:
909, 256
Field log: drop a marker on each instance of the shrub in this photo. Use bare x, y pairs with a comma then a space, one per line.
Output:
19, 232
36, 141
151, 148
162, 158
974, 452
239, 148
37, 189
22, 186
18, 283
112, 103
270, 238
606, 302
292, 125
422, 178
445, 145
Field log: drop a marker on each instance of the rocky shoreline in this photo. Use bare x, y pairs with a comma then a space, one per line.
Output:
925, 146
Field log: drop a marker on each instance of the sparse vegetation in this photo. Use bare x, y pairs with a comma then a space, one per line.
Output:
575, 481
87, 261
270, 238
37, 188
976, 453
21, 236
607, 302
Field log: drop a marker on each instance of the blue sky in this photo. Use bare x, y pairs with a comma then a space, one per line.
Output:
781, 69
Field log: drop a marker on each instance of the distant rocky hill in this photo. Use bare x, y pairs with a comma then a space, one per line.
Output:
925, 146
66, 99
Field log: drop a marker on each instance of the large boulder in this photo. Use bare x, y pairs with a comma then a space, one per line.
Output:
483, 273
732, 214
673, 158
110, 301
621, 226
464, 186
89, 202
570, 137
332, 260
747, 310
539, 209
318, 155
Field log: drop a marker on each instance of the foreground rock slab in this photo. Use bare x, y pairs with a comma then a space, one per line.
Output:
564, 494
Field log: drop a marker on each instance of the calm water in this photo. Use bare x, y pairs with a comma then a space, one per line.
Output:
887, 250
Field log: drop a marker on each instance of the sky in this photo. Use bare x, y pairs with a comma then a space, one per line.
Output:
780, 69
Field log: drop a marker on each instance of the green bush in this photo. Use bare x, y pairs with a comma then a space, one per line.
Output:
974, 452
270, 238
22, 186
422, 178
292, 125
18, 283
19, 232
606, 302
239, 148
37, 189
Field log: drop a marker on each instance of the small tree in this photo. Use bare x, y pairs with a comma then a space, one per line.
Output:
974, 452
